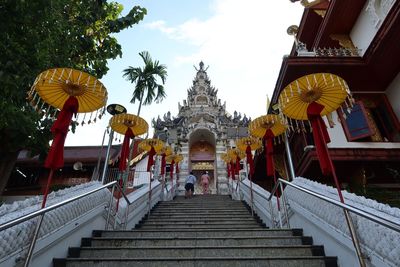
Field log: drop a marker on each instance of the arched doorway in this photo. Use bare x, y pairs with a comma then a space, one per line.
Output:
202, 157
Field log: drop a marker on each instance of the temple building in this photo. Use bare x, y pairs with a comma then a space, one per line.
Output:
358, 41
201, 131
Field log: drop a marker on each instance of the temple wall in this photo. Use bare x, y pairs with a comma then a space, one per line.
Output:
368, 23
393, 95
339, 140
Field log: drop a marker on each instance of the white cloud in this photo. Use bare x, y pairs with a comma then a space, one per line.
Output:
243, 42
160, 25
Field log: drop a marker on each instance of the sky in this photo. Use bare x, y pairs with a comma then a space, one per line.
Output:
242, 42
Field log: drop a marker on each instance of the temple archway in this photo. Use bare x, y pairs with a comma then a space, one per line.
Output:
202, 157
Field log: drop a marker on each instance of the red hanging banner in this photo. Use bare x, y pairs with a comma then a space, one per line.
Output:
55, 157
150, 162
125, 150
249, 159
171, 168
321, 136
269, 151
163, 163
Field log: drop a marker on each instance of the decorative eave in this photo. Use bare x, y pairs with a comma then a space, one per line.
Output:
373, 72
339, 18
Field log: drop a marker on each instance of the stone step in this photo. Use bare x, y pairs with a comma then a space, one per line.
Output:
206, 204
195, 252
203, 222
202, 209
205, 261
199, 220
190, 233
196, 216
196, 241
196, 212
198, 209
163, 227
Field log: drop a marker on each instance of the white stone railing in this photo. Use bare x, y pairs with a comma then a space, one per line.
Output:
380, 244
15, 239
326, 223
66, 225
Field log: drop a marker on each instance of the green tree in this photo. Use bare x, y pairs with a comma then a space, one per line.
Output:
42, 34
145, 80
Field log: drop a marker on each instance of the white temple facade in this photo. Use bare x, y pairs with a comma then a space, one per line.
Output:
201, 132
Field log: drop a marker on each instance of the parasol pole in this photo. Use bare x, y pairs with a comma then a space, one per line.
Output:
251, 190
99, 158
46, 191
149, 193
110, 140
289, 157
349, 221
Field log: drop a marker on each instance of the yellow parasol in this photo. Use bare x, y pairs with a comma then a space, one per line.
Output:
167, 150
174, 159
55, 86
130, 126
152, 146
309, 98
267, 127
326, 89
225, 157
259, 126
148, 144
120, 123
72, 92
244, 142
236, 155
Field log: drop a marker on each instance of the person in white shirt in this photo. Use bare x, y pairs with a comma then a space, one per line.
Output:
189, 185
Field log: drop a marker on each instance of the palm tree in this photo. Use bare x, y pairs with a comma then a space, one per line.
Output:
145, 79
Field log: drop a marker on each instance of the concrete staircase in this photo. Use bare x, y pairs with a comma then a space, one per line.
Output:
202, 231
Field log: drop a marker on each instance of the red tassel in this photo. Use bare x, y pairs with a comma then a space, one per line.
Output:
269, 151
249, 159
320, 135
55, 157
152, 152
237, 165
232, 170
163, 163
171, 168
125, 150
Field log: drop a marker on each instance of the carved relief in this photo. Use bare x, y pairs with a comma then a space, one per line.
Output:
378, 10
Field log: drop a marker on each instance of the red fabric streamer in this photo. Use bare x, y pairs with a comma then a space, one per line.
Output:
163, 163
55, 157
171, 168
237, 165
150, 162
249, 159
321, 136
125, 150
232, 170
269, 151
